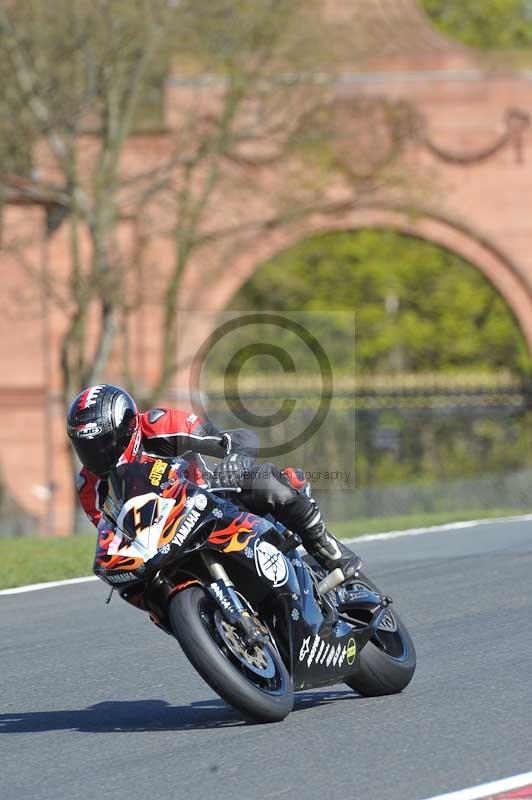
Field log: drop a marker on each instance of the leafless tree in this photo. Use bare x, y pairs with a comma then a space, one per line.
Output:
79, 72
256, 97
257, 94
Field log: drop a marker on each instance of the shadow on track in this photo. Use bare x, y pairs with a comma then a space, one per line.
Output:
149, 715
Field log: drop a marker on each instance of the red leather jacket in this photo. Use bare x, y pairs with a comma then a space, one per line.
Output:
171, 433
162, 432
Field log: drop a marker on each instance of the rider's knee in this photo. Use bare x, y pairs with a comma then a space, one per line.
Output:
296, 479
273, 487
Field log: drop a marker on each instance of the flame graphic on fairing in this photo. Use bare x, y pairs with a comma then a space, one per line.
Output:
231, 535
175, 517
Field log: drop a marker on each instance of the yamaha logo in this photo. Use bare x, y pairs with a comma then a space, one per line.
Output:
186, 527
271, 563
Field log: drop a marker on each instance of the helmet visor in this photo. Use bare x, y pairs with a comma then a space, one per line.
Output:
101, 453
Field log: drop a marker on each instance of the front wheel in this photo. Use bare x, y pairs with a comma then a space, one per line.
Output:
388, 661
256, 683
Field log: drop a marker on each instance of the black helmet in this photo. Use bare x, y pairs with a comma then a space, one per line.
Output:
101, 423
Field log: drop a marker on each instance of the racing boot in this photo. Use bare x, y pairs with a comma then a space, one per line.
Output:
285, 494
324, 547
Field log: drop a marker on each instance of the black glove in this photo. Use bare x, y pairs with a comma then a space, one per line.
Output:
232, 472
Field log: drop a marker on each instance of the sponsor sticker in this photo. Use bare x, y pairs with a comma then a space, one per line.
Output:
305, 647
122, 577
316, 650
342, 656
313, 650
320, 651
325, 653
221, 597
200, 501
136, 446
270, 563
184, 529
157, 472
351, 651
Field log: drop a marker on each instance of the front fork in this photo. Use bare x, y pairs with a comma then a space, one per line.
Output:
233, 610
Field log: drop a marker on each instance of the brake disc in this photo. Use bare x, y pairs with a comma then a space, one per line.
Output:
257, 659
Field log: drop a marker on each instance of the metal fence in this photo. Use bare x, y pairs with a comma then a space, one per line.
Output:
411, 444
422, 444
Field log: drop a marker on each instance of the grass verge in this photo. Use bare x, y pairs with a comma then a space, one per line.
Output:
36, 560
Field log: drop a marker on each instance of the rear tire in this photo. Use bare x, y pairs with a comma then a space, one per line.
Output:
383, 672
193, 617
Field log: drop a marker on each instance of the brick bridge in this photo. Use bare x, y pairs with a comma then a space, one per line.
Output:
474, 138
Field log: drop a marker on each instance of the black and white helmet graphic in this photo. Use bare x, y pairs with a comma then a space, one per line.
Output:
101, 423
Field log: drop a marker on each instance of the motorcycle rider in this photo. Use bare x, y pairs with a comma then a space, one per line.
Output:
106, 430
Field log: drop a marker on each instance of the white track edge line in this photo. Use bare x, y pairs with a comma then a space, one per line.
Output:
448, 527
35, 587
488, 789
371, 537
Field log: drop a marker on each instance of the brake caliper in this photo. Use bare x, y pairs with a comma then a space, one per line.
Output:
237, 615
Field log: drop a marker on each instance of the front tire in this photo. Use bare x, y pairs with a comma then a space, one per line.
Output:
257, 685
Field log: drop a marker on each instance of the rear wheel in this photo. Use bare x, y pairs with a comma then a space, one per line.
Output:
256, 683
388, 661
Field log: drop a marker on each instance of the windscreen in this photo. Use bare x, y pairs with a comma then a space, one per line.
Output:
137, 479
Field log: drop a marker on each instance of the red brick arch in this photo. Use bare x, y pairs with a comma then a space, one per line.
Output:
454, 236
473, 138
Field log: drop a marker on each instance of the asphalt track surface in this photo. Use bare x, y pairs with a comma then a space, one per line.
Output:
98, 703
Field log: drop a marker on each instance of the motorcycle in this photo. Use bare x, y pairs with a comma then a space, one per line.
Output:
196, 561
